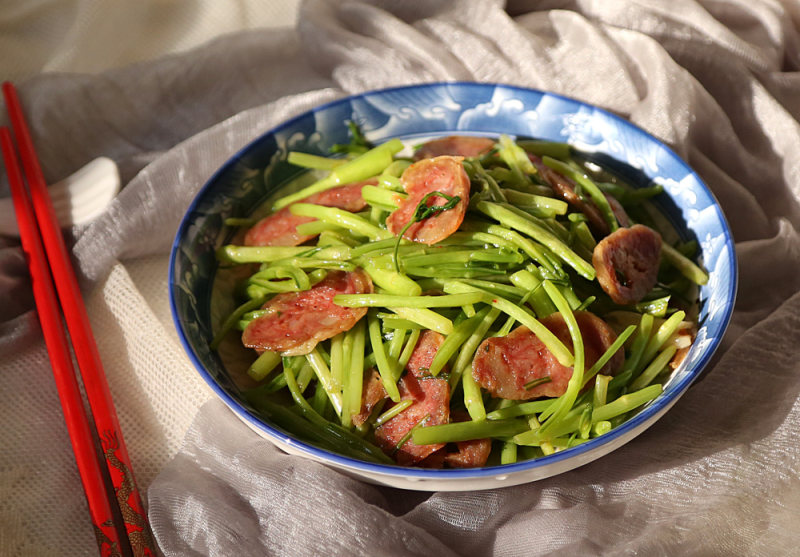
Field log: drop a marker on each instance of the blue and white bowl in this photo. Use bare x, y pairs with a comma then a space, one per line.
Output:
423, 111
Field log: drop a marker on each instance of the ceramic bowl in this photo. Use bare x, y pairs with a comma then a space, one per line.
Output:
411, 113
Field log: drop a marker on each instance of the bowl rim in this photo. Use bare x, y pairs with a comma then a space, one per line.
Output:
654, 409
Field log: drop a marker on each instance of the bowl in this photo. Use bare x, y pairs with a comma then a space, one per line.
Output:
439, 109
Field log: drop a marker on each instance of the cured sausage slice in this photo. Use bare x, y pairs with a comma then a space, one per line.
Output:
565, 188
470, 454
455, 145
373, 393
424, 352
504, 365
431, 396
297, 321
444, 174
280, 228
619, 211
626, 262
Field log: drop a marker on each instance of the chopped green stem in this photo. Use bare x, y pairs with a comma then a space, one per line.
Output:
609, 353
307, 160
656, 366
231, 321
538, 299
635, 355
549, 205
601, 428
257, 254
550, 340
685, 265
319, 400
575, 383
534, 250
355, 379
455, 340
589, 186
385, 368
536, 382
235, 221
660, 338
508, 454
295, 276
521, 409
391, 300
585, 424
382, 197
393, 282
564, 425
393, 411
546, 148
465, 356
396, 344
600, 390
337, 362
392, 321
263, 366
516, 159
371, 163
405, 355
316, 227
323, 374
477, 173
473, 398
340, 217
467, 431
340, 437
509, 218
427, 318
656, 308
626, 403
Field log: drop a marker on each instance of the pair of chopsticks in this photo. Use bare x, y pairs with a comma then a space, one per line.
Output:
115, 505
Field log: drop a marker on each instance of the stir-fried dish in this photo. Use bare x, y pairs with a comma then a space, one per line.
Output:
481, 302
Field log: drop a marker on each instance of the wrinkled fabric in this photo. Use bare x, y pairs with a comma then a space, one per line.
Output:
719, 474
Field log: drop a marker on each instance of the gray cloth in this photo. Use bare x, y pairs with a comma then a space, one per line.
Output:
718, 81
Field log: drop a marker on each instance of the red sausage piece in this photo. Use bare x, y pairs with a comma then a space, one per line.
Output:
280, 228
297, 321
504, 365
431, 396
565, 188
444, 174
626, 262
373, 393
470, 454
455, 145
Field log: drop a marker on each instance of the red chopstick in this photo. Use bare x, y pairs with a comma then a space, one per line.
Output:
135, 535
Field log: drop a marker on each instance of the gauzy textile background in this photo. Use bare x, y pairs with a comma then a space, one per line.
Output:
718, 475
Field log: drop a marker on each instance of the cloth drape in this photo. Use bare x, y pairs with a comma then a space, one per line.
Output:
719, 474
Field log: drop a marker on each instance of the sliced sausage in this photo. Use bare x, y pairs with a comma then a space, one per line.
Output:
455, 145
372, 393
431, 396
619, 211
296, 321
469, 454
424, 352
566, 189
444, 174
626, 262
504, 365
280, 228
